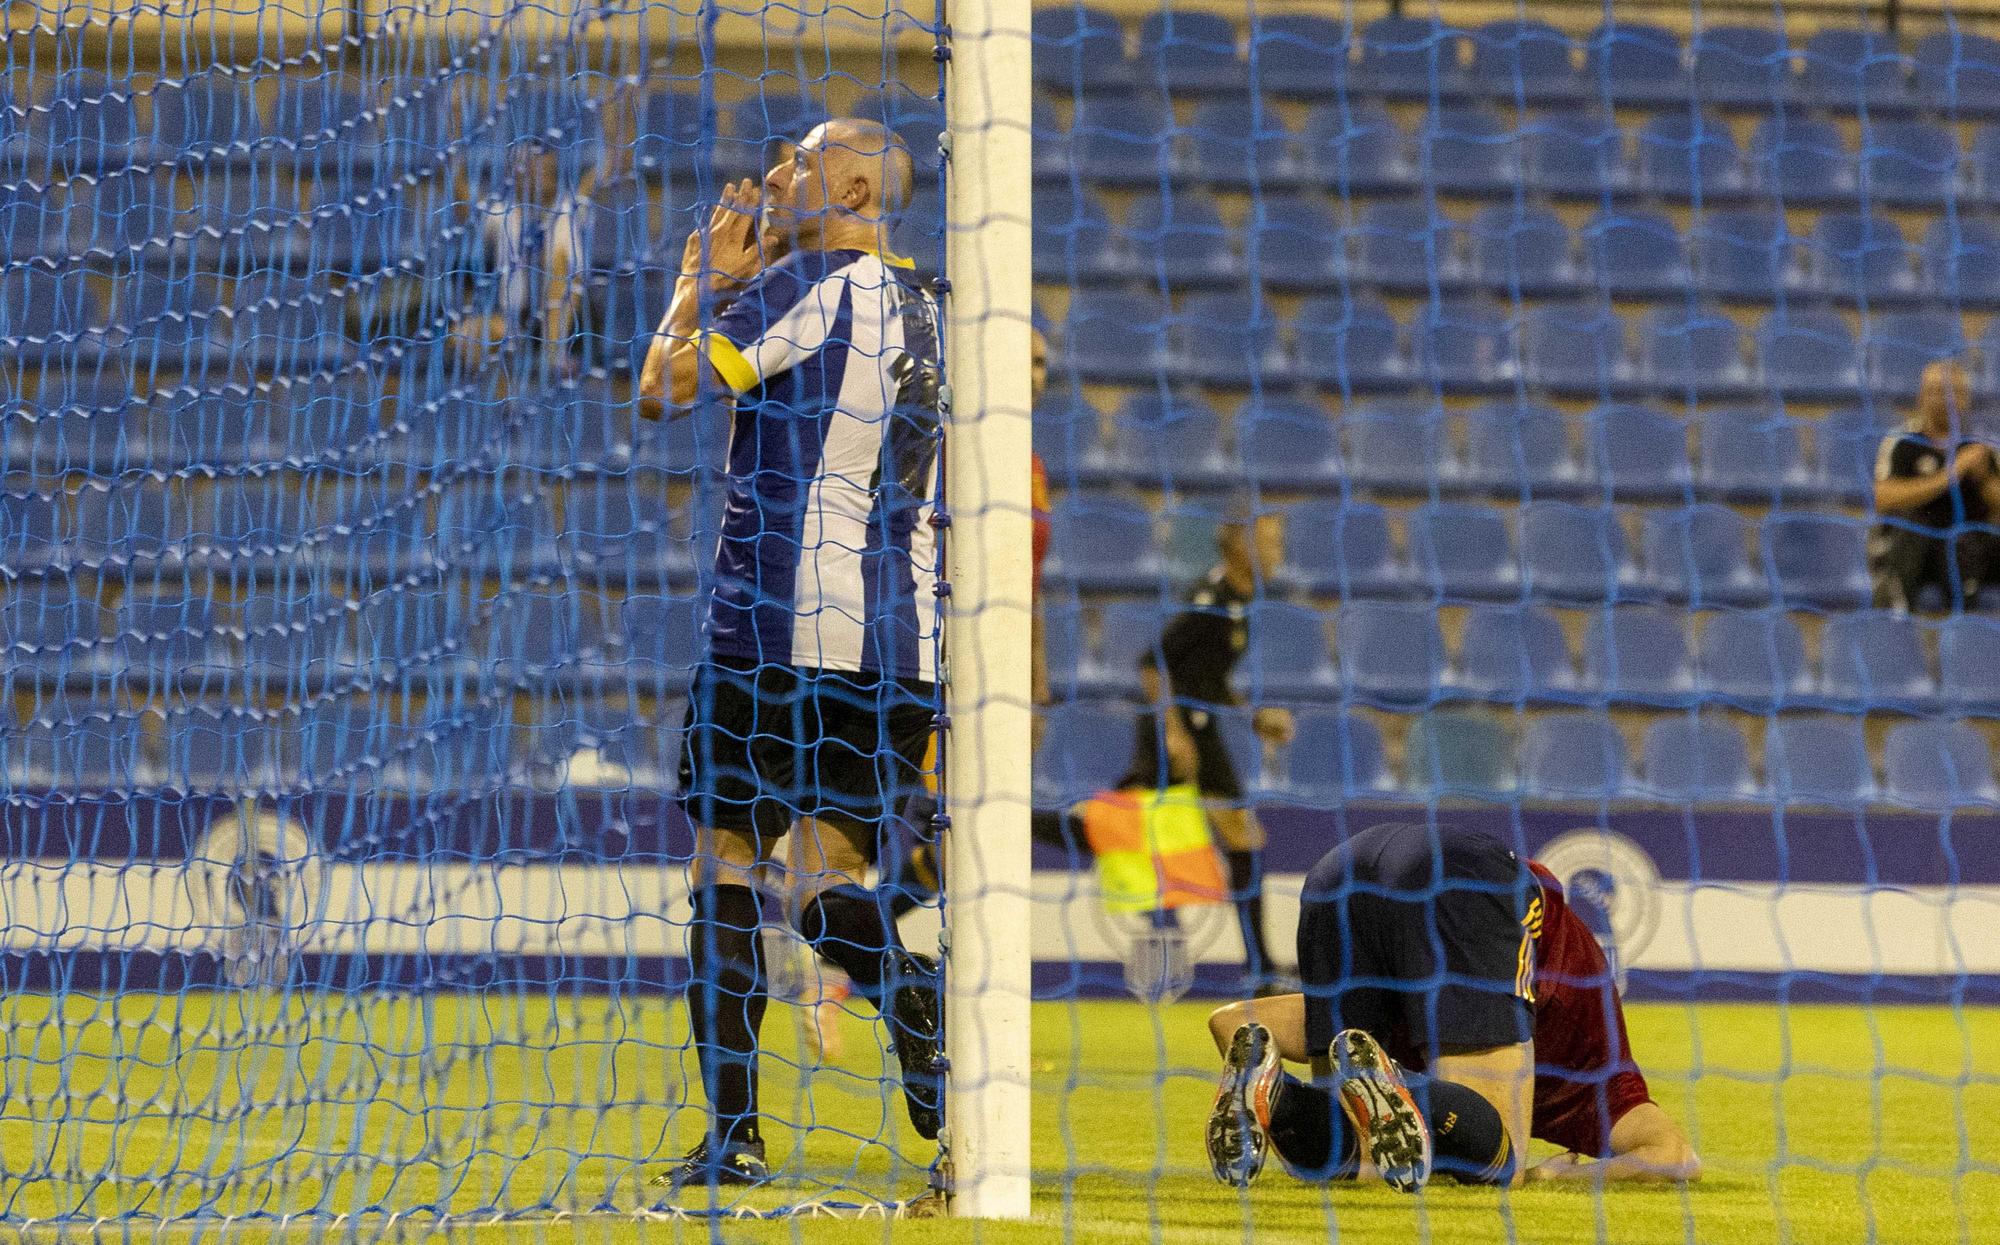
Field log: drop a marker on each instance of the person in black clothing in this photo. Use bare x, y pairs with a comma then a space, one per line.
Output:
1938, 494
1198, 649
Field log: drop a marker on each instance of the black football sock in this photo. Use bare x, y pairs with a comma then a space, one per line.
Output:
846, 925
1309, 1132
1468, 1138
725, 998
1246, 889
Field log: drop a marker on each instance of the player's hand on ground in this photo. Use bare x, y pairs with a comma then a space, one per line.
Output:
732, 254
1567, 1166
1274, 725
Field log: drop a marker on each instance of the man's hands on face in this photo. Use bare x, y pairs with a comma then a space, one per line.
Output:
734, 254
1972, 462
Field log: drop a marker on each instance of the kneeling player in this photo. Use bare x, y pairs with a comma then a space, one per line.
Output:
1439, 951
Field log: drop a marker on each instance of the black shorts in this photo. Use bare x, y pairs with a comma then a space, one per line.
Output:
1215, 770
1420, 936
767, 744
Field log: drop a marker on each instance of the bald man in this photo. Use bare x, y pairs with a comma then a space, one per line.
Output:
1935, 489
810, 714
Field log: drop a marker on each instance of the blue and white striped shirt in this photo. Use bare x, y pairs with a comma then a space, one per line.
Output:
827, 557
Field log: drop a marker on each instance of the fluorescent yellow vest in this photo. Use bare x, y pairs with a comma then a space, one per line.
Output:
1153, 850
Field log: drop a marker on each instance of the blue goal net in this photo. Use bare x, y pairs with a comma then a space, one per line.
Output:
1536, 423
353, 605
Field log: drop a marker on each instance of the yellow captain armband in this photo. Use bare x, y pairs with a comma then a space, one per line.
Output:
729, 363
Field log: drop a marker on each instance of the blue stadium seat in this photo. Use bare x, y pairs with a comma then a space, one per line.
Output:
1407, 246
1700, 554
1294, 54
1861, 255
653, 643
1468, 150
1051, 161
50, 632
1846, 68
1915, 163
1123, 137
1179, 240
1073, 241
29, 529
534, 638
1753, 453
1087, 747
1575, 348
1574, 756
1520, 450
672, 135
1961, 261
1877, 658
344, 743
207, 750
1512, 653
1129, 632
328, 116
174, 319
1802, 159
174, 640
1969, 663
1395, 445
292, 645
1904, 343
1190, 51
1167, 441
1532, 62
1228, 340
1958, 73
1291, 241
1938, 766
1079, 48
1286, 443
1753, 657
1286, 656
207, 111
87, 426
1694, 352
1335, 757
1114, 336
1697, 759
1103, 543
1688, 155
1635, 253
1809, 354
502, 526
1633, 63
1845, 443
1189, 548
1818, 760
1240, 143
118, 522
1390, 654
1411, 58
1819, 559
1573, 553
127, 208
1575, 153
91, 749
1639, 654
1741, 66
287, 322
1461, 752
919, 232
1343, 549
88, 122
1356, 147
1348, 344
1522, 249
1068, 435
1639, 453
1465, 344
1463, 552
50, 313
1745, 255
456, 747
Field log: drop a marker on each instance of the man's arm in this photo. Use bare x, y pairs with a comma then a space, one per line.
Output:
673, 370
1646, 1145
1902, 494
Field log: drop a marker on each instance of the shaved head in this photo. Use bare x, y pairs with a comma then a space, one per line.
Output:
858, 148
844, 186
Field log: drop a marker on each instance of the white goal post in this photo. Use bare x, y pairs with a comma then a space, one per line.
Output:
988, 614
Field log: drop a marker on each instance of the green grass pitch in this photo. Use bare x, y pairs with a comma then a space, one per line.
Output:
1818, 1125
